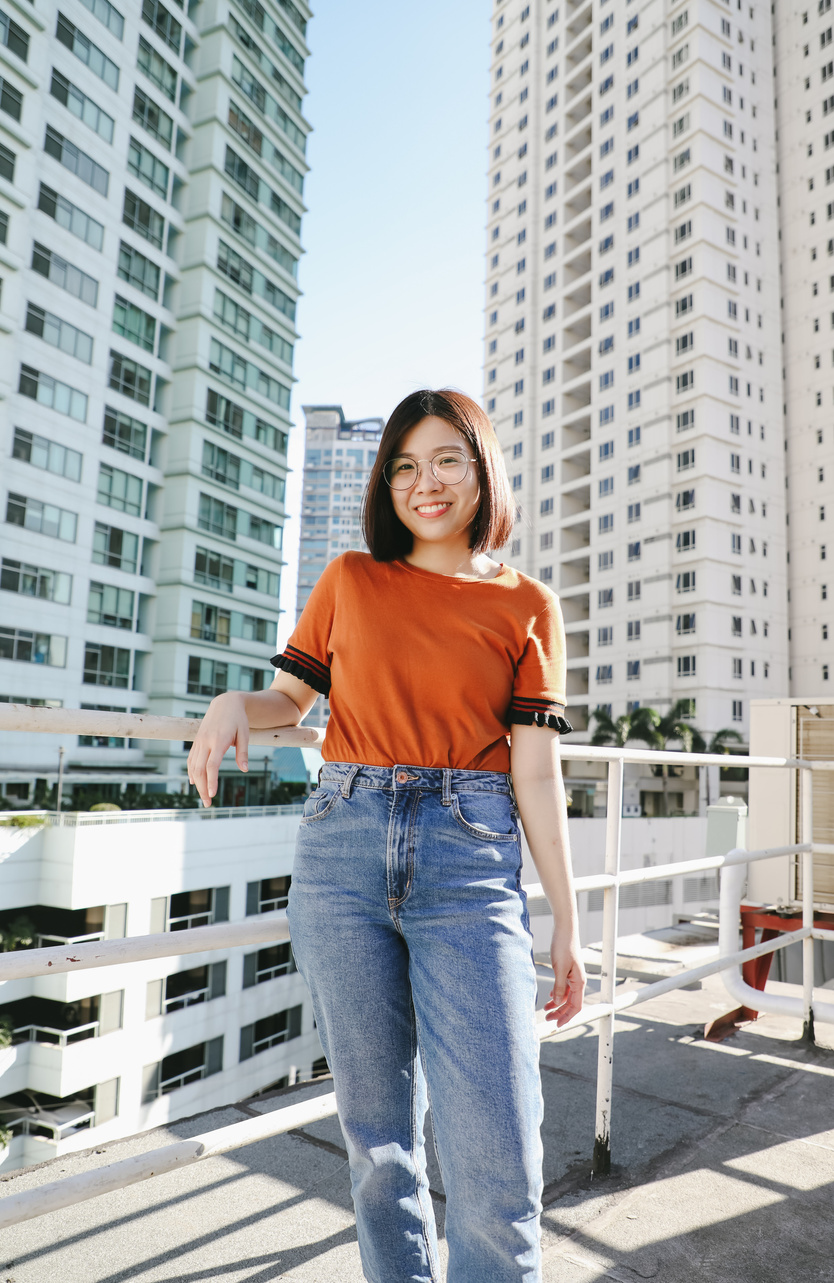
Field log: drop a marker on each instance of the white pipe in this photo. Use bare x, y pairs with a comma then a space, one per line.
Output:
775, 1004
597, 1010
30, 1203
266, 928
806, 785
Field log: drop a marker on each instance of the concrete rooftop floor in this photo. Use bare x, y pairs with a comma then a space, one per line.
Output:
724, 1171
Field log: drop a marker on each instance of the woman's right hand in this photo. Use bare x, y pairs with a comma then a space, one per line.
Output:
225, 724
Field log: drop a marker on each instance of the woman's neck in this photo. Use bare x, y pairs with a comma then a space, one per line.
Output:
451, 558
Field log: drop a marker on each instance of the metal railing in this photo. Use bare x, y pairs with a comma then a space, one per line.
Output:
48, 1036
273, 929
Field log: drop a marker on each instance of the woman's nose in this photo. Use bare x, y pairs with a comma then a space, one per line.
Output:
426, 480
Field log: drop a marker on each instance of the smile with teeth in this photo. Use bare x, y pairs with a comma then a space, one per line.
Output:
432, 509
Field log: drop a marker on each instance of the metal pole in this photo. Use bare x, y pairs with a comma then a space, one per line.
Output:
608, 970
807, 830
60, 780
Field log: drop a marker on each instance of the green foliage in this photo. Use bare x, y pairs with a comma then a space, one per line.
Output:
5, 1137
656, 730
159, 802
105, 806
23, 822
6, 1029
17, 934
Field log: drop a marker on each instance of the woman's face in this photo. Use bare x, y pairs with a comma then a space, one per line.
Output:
432, 510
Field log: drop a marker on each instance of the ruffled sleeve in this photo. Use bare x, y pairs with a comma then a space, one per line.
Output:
538, 697
307, 654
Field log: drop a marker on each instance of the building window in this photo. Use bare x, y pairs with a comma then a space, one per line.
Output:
33, 648
52, 393
632, 670
130, 378
686, 665
106, 666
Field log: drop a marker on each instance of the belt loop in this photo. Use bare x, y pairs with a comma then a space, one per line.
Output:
318, 777
347, 782
447, 787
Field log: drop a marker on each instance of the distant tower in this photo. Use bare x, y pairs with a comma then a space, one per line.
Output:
338, 459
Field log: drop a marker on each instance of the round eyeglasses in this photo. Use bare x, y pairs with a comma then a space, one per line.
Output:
449, 467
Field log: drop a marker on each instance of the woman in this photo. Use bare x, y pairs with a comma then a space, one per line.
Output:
406, 912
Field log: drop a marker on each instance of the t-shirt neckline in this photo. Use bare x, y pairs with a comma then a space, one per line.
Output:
453, 579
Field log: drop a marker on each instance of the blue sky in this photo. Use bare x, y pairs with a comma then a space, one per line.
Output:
392, 277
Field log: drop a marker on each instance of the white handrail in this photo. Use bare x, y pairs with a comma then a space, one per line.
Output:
272, 928
146, 726
103, 1180
266, 928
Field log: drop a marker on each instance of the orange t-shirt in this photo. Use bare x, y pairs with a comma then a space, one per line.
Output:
425, 669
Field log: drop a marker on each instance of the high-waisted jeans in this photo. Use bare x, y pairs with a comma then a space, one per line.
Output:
409, 925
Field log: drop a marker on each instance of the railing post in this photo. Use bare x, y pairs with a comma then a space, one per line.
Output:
59, 788
807, 835
608, 973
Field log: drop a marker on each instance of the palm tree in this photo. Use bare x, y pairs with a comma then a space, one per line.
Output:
717, 743
631, 726
657, 730
637, 725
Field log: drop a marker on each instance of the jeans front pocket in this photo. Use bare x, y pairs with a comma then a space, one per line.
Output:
486, 815
320, 802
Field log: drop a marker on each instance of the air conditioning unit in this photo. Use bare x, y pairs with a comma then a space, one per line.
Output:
790, 728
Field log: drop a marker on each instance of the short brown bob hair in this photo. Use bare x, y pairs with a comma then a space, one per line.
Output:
492, 524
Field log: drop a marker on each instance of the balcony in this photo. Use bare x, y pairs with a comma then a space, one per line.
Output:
723, 1150
578, 112
580, 234
575, 467
578, 366
576, 268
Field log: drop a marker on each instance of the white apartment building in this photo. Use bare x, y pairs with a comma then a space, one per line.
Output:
109, 1052
633, 360
804, 93
151, 178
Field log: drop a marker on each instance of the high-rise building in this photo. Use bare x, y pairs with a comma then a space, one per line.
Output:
151, 177
633, 343
339, 454
803, 87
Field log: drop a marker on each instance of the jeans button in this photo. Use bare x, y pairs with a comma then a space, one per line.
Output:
402, 776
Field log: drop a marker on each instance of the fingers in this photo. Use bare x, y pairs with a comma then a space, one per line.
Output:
242, 746
215, 757
197, 759
566, 998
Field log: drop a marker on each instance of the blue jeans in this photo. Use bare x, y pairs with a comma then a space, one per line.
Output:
409, 925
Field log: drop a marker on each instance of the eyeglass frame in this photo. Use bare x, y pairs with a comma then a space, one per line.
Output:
430, 462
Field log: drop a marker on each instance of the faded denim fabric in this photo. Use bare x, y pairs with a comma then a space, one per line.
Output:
409, 925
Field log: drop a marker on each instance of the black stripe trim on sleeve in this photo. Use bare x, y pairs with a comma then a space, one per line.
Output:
539, 717
305, 668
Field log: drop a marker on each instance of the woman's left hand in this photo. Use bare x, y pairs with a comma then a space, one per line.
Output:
568, 978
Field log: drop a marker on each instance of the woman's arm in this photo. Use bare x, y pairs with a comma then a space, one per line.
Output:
231, 716
537, 779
